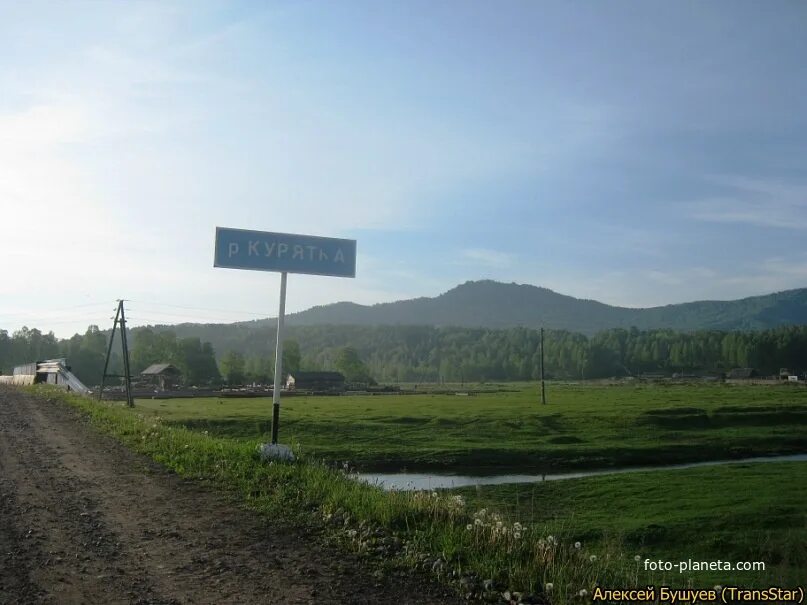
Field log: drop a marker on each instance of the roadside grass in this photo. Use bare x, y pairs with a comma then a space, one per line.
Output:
582, 426
479, 552
738, 512
524, 541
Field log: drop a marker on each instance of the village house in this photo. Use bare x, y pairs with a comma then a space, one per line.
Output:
316, 381
163, 376
742, 374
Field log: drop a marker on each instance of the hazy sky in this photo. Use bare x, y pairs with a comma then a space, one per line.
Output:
638, 153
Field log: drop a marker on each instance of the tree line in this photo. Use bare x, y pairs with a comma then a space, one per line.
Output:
412, 353
416, 353
196, 360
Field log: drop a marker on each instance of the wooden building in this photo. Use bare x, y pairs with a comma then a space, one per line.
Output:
316, 381
50, 371
163, 376
742, 374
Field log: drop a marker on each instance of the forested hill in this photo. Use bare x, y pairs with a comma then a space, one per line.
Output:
490, 304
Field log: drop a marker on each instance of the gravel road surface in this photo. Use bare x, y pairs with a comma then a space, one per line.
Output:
85, 520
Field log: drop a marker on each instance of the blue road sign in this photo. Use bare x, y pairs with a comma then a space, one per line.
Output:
266, 251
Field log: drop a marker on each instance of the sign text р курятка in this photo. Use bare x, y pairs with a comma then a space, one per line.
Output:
284, 252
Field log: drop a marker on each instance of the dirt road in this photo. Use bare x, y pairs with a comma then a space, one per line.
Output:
84, 520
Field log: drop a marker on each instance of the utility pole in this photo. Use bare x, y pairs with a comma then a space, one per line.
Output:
543, 385
127, 376
120, 318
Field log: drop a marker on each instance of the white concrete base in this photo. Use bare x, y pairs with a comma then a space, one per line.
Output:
269, 451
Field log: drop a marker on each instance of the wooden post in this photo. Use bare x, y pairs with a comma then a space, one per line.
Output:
109, 350
126, 374
543, 386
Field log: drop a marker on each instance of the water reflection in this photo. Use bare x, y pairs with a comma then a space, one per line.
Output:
418, 481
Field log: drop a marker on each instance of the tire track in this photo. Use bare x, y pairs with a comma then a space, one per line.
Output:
84, 520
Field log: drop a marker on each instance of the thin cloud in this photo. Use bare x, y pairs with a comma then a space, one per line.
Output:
488, 258
758, 202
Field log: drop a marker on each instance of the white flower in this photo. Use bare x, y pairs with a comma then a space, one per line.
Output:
469, 527
478, 521
549, 586
577, 545
592, 558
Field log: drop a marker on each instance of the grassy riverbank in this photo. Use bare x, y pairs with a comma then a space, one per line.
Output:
525, 538
478, 552
583, 426
738, 512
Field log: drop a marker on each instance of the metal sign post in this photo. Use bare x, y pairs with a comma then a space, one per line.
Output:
278, 359
284, 253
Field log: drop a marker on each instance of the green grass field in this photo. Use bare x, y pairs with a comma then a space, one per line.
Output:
748, 512
582, 426
744, 512
737, 512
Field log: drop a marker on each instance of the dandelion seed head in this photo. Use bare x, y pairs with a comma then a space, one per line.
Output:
637, 558
577, 545
469, 527
549, 586
583, 592
592, 558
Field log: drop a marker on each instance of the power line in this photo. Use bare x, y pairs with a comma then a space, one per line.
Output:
255, 313
36, 314
197, 317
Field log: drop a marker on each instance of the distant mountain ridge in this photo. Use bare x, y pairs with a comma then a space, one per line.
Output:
491, 304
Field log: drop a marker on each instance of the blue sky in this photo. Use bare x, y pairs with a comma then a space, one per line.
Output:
635, 153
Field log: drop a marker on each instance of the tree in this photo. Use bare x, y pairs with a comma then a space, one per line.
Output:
291, 356
87, 355
350, 364
197, 361
233, 367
